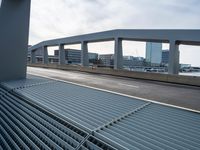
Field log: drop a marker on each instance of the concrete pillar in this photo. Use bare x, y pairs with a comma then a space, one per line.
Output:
173, 58
33, 57
45, 55
14, 30
118, 56
61, 54
84, 54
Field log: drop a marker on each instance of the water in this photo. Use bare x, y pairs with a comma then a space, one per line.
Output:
190, 73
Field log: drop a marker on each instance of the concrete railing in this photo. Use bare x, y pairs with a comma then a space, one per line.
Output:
173, 37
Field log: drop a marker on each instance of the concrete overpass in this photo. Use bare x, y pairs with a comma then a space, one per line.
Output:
42, 113
173, 37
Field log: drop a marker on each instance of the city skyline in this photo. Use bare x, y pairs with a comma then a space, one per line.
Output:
62, 18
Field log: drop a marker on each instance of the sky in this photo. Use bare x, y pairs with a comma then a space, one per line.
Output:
62, 18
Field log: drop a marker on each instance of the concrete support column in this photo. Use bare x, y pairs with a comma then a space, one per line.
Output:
33, 57
118, 56
14, 30
173, 58
84, 54
61, 54
45, 55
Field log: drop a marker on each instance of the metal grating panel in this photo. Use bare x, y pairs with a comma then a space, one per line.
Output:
24, 83
93, 143
155, 127
113, 121
87, 107
25, 126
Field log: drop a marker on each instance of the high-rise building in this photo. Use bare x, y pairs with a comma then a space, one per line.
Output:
165, 56
153, 53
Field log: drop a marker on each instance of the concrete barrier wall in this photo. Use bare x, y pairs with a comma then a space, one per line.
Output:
178, 79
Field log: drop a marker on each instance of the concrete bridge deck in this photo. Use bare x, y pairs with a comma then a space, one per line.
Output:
174, 94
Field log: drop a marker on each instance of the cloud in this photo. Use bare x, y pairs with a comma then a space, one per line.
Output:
61, 18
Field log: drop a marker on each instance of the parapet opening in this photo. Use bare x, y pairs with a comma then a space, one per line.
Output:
133, 55
52, 57
101, 54
73, 54
152, 57
189, 62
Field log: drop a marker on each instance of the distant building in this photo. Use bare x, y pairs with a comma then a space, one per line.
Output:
92, 56
39, 56
73, 56
107, 59
128, 61
165, 57
131, 61
153, 53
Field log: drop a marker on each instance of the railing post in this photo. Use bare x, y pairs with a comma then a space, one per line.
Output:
173, 58
45, 55
118, 56
33, 57
84, 54
61, 54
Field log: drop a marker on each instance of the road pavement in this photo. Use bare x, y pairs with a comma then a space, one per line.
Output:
174, 94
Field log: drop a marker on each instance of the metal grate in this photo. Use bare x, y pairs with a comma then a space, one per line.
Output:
56, 115
25, 126
155, 127
93, 143
28, 82
88, 108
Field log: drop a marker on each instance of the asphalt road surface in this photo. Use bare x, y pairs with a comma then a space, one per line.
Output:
175, 94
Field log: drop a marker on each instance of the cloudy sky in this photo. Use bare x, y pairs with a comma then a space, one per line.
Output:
52, 19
